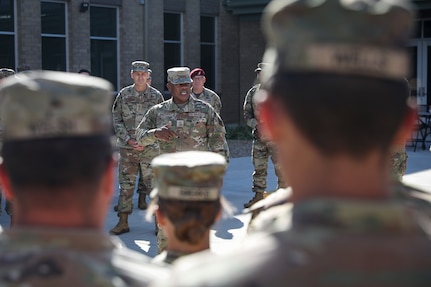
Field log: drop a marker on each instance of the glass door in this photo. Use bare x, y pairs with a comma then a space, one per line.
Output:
420, 74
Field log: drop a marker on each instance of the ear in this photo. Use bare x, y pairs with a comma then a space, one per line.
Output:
269, 117
218, 216
169, 86
407, 127
161, 219
107, 185
5, 183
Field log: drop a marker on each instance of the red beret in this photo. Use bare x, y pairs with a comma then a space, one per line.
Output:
197, 72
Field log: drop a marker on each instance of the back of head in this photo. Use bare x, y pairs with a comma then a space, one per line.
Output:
56, 128
188, 190
339, 66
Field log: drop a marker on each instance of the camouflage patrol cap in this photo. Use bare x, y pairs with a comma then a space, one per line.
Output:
355, 37
55, 104
179, 75
189, 175
140, 66
5, 72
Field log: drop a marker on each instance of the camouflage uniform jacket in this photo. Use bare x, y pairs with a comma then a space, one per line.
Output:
250, 107
197, 125
128, 110
325, 242
209, 97
48, 257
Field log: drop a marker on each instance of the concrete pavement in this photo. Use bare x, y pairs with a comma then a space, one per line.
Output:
237, 189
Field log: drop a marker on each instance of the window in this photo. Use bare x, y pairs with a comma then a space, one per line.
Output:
104, 43
172, 40
7, 34
54, 46
208, 49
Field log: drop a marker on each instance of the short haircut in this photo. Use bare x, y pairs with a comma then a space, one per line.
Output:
57, 162
190, 218
341, 113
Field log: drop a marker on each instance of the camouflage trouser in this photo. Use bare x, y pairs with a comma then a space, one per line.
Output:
398, 163
131, 164
261, 151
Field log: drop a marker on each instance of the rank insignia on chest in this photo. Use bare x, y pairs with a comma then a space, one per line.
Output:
180, 123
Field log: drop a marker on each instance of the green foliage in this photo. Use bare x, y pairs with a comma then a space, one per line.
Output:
238, 132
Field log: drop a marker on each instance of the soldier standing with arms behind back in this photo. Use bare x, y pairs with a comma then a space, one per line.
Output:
335, 103
58, 168
130, 106
261, 148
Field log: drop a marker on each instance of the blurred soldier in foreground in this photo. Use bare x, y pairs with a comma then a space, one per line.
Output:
130, 106
58, 169
4, 73
261, 148
187, 200
335, 104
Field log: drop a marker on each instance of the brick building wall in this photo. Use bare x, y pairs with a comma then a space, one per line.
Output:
29, 29
239, 44
131, 38
242, 47
252, 47
192, 31
79, 38
154, 41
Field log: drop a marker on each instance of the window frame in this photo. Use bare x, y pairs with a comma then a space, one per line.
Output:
13, 33
59, 36
179, 42
107, 38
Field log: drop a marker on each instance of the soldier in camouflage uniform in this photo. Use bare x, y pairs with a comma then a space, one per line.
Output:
200, 92
59, 169
186, 200
336, 65
182, 123
130, 106
4, 73
398, 152
399, 162
261, 148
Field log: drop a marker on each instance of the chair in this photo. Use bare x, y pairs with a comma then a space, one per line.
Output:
422, 127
